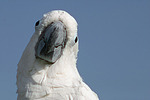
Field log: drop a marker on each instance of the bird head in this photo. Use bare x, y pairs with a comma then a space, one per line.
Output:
57, 32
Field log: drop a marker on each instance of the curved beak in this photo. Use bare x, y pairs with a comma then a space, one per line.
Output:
51, 42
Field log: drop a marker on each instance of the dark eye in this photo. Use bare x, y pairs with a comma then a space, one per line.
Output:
76, 39
37, 23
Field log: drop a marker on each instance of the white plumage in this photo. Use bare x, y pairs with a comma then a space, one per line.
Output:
41, 80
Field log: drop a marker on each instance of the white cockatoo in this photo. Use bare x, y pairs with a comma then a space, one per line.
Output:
47, 69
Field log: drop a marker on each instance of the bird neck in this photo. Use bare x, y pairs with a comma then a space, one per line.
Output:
65, 67
62, 73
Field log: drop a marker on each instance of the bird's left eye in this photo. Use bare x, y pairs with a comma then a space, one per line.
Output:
37, 23
76, 39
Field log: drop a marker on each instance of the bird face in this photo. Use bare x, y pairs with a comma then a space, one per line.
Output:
56, 33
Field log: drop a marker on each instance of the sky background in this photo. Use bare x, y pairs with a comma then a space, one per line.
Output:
114, 43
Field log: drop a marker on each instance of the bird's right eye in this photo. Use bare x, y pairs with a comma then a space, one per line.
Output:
37, 23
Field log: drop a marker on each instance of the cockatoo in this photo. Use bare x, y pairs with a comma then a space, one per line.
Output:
47, 69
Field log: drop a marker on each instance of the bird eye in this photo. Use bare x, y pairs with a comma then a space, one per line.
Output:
37, 23
76, 39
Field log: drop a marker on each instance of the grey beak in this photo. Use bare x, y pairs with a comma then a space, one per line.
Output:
51, 42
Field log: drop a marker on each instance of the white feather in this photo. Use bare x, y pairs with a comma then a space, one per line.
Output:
38, 80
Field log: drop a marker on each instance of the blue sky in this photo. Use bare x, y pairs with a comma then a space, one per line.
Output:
114, 48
